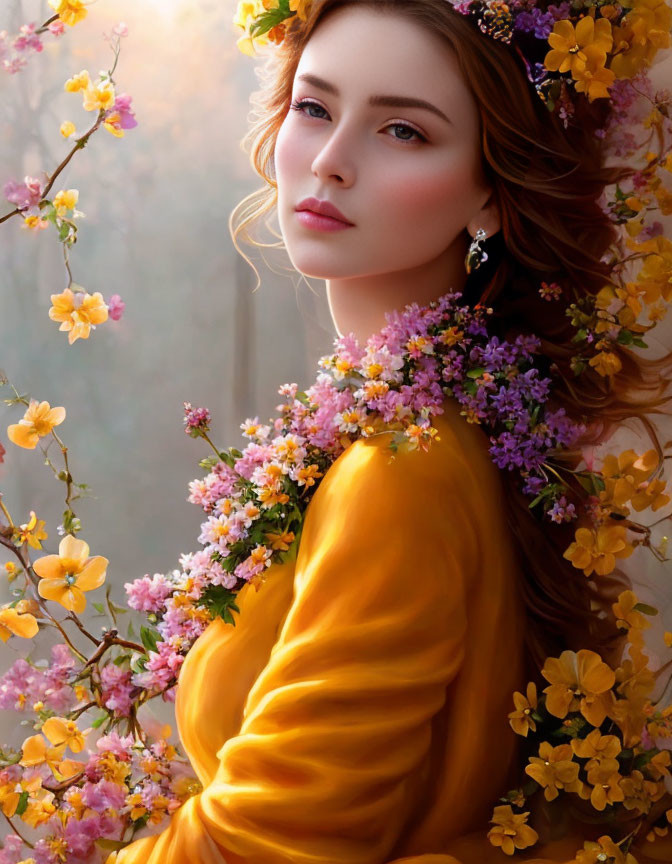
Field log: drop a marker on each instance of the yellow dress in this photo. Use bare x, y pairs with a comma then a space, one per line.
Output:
357, 712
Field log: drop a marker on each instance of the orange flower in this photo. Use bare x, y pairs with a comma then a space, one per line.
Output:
65, 577
280, 541
64, 733
597, 550
520, 719
510, 831
78, 313
627, 479
578, 681
38, 421
554, 769
12, 622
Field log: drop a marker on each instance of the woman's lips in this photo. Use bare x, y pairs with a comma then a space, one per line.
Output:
320, 223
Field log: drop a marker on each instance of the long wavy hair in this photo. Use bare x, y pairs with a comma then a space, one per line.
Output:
547, 181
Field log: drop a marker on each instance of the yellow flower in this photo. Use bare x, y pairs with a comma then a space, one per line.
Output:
574, 47
280, 541
520, 719
598, 550
624, 610
78, 82
553, 769
35, 751
66, 200
603, 776
668, 638
591, 77
65, 577
606, 363
30, 532
113, 125
99, 97
596, 746
68, 128
578, 681
78, 313
510, 831
626, 479
604, 850
301, 7
642, 32
38, 421
39, 810
64, 733
69, 11
35, 223
12, 622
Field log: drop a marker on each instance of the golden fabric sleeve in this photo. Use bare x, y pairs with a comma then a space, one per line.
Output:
336, 729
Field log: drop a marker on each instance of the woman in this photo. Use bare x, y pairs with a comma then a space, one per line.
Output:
357, 711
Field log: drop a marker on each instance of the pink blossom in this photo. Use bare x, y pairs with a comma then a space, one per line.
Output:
120, 29
122, 107
25, 195
11, 851
57, 27
116, 744
103, 795
28, 39
115, 307
148, 595
117, 689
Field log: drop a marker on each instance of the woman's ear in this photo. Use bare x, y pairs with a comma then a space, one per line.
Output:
488, 218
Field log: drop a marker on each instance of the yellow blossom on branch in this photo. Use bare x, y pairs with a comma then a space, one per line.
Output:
510, 831
38, 421
78, 82
78, 313
592, 78
627, 481
605, 779
624, 610
597, 550
70, 12
578, 681
68, 128
596, 746
100, 97
35, 223
65, 733
36, 751
65, 577
31, 532
280, 541
66, 200
13, 623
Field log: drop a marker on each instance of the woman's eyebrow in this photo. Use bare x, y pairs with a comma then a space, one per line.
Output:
389, 101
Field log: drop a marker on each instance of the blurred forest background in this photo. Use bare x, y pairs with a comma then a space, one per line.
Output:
157, 203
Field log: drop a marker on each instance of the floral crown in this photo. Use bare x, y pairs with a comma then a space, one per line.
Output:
584, 47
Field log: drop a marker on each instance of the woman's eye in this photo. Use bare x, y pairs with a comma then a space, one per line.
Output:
299, 106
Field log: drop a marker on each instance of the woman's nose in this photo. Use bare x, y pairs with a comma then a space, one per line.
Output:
335, 159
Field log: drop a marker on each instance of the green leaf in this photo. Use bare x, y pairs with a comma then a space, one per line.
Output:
23, 803
645, 609
625, 337
99, 607
108, 843
99, 721
149, 638
640, 343
476, 373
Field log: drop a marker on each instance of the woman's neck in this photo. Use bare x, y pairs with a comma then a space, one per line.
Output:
358, 305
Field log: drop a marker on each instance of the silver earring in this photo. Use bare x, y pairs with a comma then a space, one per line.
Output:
476, 256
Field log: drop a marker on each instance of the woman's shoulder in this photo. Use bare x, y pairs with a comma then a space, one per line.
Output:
457, 462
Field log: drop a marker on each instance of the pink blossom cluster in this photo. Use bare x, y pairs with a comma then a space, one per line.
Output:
25, 684
15, 50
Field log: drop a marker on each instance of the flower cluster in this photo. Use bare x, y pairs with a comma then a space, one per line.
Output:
595, 734
580, 47
255, 499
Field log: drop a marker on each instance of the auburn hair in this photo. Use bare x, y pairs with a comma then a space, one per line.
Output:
547, 181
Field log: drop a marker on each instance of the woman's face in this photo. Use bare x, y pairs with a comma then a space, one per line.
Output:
407, 177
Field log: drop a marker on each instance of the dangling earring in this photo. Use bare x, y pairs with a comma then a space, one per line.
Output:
476, 256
